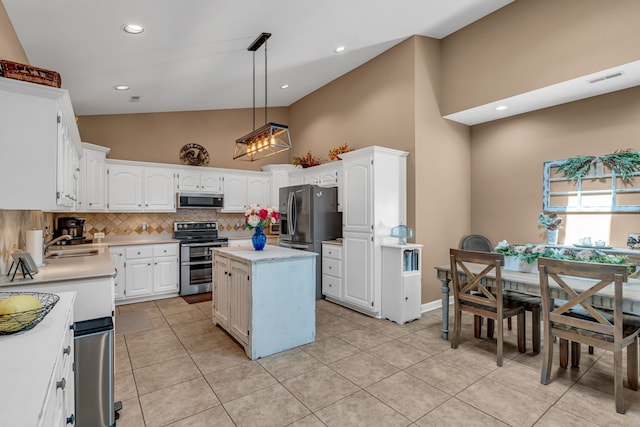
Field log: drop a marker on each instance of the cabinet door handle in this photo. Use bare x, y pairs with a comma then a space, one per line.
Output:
61, 384
71, 419
67, 350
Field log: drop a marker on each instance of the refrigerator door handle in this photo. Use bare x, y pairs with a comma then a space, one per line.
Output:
291, 213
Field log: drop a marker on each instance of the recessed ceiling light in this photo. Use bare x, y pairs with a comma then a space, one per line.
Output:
501, 107
284, 86
132, 28
121, 87
339, 49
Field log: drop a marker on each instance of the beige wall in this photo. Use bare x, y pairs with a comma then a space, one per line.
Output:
371, 105
442, 172
530, 44
507, 157
10, 47
158, 137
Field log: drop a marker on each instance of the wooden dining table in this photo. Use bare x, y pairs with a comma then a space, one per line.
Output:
529, 283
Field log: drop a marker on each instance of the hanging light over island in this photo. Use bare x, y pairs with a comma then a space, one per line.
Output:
271, 138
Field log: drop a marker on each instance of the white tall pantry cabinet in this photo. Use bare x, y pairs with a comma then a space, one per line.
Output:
374, 201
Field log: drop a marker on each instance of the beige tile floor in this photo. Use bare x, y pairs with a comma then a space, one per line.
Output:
185, 371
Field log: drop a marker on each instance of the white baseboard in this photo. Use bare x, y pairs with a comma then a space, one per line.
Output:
434, 305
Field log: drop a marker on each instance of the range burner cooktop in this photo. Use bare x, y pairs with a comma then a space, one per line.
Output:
196, 231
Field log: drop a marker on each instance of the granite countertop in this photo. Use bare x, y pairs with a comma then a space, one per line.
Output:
269, 253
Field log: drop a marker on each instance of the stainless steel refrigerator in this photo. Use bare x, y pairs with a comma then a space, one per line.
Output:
308, 215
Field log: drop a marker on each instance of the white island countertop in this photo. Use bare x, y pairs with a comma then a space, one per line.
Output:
269, 253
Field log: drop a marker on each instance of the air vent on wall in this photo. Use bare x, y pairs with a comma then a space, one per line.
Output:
134, 99
607, 77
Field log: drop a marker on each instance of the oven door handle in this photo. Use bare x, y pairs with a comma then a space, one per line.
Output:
197, 263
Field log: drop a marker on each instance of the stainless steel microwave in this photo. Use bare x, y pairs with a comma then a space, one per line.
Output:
200, 201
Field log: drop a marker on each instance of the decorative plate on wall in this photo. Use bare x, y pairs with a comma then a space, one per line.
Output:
194, 155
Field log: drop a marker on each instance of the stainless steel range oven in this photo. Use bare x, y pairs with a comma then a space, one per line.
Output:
197, 239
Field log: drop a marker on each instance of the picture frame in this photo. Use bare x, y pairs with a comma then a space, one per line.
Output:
27, 261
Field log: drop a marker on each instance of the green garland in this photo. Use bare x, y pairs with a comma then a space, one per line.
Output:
623, 162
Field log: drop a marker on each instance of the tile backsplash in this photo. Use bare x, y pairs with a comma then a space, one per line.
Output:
14, 224
131, 224
13, 227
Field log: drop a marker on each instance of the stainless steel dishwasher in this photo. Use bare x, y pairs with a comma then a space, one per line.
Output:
94, 372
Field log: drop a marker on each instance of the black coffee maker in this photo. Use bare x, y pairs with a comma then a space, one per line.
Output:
71, 226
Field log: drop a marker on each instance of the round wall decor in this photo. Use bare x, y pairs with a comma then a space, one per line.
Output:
194, 155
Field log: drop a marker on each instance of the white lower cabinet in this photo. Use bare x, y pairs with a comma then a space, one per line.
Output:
359, 285
331, 270
401, 282
146, 271
165, 269
37, 370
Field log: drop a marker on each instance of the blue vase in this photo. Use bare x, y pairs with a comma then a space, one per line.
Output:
259, 239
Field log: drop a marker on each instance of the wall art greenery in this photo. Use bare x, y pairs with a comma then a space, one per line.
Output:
623, 162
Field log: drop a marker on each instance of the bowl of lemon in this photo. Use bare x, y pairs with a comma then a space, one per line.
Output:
21, 311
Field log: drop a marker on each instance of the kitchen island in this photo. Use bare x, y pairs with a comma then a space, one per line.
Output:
265, 299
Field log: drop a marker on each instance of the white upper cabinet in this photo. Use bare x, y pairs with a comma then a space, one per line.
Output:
39, 147
278, 177
159, 190
258, 190
325, 175
235, 193
134, 189
244, 189
198, 181
357, 214
93, 179
125, 188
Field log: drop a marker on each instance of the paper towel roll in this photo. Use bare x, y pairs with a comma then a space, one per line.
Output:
34, 246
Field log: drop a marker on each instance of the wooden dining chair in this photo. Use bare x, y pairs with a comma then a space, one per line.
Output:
577, 320
472, 293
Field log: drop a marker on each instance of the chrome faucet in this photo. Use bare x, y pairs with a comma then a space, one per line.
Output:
53, 241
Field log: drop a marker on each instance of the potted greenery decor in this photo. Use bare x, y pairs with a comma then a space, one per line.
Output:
525, 257
552, 223
623, 162
521, 257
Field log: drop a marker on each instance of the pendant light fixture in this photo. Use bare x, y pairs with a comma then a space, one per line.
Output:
270, 139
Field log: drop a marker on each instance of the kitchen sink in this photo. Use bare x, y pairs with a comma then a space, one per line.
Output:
67, 253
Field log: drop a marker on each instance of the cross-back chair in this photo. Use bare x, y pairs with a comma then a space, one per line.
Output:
577, 319
472, 293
